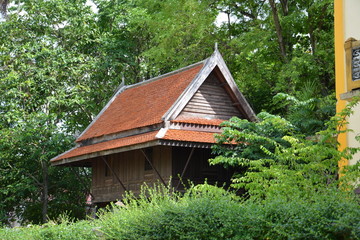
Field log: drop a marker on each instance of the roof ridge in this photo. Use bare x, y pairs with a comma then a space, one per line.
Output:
166, 74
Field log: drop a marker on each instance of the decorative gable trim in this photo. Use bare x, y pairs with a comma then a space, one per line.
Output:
185, 97
243, 103
215, 61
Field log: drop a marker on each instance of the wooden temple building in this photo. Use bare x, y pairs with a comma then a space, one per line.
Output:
158, 130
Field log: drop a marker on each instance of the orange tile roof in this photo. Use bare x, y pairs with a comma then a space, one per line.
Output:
189, 136
201, 121
108, 145
141, 105
171, 134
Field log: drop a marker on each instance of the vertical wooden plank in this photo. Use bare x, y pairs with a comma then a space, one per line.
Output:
117, 167
139, 167
93, 175
157, 161
101, 173
131, 162
166, 160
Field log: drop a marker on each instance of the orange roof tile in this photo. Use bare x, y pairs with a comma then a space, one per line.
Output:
171, 134
141, 105
112, 144
189, 136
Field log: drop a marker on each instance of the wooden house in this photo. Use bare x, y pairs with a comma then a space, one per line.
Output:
158, 130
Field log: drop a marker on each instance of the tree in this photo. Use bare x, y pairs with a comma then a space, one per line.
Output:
186, 35
30, 188
308, 116
44, 82
279, 46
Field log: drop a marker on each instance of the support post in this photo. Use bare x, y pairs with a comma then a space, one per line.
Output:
185, 167
152, 166
112, 171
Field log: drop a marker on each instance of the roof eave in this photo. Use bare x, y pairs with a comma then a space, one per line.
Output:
76, 159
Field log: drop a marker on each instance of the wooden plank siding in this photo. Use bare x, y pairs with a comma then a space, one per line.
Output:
130, 168
210, 101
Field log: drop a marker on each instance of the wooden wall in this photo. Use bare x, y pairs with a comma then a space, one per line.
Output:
210, 101
130, 168
169, 161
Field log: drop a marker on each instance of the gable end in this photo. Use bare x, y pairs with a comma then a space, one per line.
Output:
211, 101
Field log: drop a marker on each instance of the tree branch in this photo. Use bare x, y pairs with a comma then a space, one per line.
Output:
29, 175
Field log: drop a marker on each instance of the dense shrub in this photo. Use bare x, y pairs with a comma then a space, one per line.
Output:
207, 212
330, 214
64, 229
203, 212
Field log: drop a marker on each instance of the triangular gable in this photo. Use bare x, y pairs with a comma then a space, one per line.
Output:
211, 101
214, 65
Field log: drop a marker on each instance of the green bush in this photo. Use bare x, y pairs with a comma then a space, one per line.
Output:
329, 214
208, 212
64, 229
203, 212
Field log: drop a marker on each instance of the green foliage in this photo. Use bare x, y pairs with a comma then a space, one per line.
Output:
161, 214
64, 228
44, 82
273, 158
185, 35
254, 55
208, 212
308, 115
323, 215
25, 151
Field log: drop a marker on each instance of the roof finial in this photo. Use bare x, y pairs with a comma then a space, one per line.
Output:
216, 46
122, 81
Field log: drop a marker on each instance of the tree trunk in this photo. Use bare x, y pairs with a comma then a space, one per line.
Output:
278, 31
45, 192
3, 7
